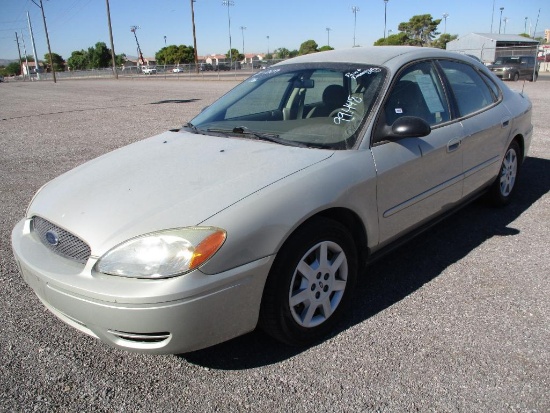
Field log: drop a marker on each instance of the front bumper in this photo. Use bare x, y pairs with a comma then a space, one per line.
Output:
504, 74
168, 316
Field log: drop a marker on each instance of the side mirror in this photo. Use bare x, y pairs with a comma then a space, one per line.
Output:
409, 127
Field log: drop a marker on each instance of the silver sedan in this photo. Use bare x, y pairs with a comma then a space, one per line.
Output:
265, 207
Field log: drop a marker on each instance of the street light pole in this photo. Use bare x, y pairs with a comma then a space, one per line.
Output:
243, 28
505, 21
500, 24
36, 66
445, 15
493, 16
267, 44
354, 10
385, 20
165, 56
328, 36
229, 3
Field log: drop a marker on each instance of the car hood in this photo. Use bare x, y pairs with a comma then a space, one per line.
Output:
175, 179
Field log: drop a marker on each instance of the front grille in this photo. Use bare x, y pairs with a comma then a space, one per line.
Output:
60, 241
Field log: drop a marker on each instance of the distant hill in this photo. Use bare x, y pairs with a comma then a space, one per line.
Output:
5, 62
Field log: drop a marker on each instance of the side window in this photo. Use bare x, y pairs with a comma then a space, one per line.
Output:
492, 85
417, 92
470, 90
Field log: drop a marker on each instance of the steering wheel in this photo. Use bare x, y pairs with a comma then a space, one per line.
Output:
334, 112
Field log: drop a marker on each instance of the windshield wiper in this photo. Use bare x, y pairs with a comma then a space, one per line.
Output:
192, 127
264, 136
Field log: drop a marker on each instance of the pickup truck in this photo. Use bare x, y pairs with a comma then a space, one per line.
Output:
515, 68
149, 70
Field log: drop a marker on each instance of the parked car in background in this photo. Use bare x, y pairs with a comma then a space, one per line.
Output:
515, 68
177, 70
266, 207
149, 70
206, 67
222, 67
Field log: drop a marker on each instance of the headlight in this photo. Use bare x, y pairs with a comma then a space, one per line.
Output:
162, 254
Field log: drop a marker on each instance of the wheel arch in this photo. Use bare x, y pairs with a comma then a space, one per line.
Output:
353, 223
521, 142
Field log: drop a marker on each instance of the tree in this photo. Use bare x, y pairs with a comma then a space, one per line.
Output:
325, 48
13, 68
173, 54
78, 60
293, 53
445, 38
57, 60
397, 39
120, 59
307, 47
235, 55
282, 53
420, 30
99, 56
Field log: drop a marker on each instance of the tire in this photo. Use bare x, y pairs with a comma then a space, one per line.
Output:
309, 286
516, 77
503, 188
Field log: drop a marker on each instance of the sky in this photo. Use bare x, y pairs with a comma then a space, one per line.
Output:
270, 24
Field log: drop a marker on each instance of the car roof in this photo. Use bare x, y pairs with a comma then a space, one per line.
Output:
389, 56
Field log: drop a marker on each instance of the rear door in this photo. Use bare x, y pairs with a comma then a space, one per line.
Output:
486, 123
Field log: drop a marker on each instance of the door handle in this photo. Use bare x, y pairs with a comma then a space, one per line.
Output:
505, 122
453, 145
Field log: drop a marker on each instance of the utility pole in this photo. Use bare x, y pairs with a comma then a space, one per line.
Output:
47, 38
194, 37
36, 67
111, 37
18, 51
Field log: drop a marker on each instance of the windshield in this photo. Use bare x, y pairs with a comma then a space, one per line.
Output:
309, 105
507, 60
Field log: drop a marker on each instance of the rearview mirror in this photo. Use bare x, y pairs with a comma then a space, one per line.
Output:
304, 84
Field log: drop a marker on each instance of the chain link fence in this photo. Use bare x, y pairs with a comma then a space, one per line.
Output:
239, 71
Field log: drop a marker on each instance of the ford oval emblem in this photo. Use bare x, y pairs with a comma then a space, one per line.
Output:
52, 237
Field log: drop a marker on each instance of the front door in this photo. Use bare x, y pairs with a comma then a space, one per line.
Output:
417, 178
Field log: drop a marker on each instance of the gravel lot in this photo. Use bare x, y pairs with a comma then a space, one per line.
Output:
458, 320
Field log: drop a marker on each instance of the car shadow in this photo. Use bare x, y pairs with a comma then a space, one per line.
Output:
398, 274
162, 102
